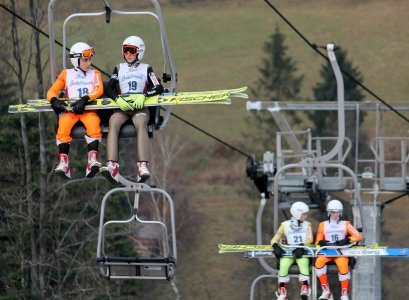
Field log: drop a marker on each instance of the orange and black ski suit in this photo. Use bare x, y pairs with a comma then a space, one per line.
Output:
333, 231
78, 84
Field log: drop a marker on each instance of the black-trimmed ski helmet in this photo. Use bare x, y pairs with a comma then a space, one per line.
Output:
134, 45
79, 50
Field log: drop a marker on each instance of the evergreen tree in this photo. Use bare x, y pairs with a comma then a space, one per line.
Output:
277, 82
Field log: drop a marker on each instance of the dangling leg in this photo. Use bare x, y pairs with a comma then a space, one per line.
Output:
140, 121
344, 276
344, 287
282, 290
321, 271
63, 168
111, 170
91, 121
304, 278
283, 278
63, 138
93, 164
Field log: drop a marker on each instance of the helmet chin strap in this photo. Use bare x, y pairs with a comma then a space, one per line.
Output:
78, 68
295, 222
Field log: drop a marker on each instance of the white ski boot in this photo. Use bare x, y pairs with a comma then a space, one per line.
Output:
93, 165
344, 294
305, 292
111, 171
63, 168
282, 294
326, 294
143, 171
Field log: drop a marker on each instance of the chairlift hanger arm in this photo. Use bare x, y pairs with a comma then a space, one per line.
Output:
108, 11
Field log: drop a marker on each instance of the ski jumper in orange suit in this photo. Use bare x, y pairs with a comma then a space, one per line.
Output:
78, 84
334, 231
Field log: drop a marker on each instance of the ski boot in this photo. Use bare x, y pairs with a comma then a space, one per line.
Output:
305, 292
282, 294
63, 168
111, 171
326, 294
93, 165
143, 171
344, 294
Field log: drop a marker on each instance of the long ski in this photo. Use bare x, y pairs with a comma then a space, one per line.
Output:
258, 251
104, 103
209, 97
187, 96
43, 105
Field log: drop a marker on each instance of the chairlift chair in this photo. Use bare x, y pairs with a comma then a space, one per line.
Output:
158, 267
157, 121
119, 267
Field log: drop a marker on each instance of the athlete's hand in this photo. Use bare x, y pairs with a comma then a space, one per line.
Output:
298, 252
278, 252
138, 100
343, 242
59, 106
323, 243
123, 104
79, 106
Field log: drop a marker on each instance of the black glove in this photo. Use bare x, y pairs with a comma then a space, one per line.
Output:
278, 252
298, 252
323, 243
59, 106
79, 106
343, 242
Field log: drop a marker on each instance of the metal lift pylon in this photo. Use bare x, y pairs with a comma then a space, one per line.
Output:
309, 164
313, 162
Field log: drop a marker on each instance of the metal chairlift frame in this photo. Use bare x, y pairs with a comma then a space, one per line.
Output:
397, 183
323, 161
137, 267
376, 182
168, 62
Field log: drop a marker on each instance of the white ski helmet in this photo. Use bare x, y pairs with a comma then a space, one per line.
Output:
79, 50
335, 205
297, 209
137, 42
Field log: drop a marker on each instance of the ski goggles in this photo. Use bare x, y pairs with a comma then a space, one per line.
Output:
333, 211
131, 49
84, 54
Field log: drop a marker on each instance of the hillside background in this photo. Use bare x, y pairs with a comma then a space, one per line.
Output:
217, 45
